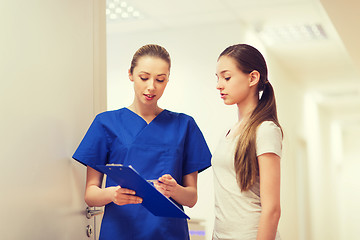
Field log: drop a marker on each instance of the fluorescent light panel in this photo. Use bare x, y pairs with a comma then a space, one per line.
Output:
292, 33
119, 10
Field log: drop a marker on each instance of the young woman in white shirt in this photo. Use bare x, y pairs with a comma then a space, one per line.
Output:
246, 163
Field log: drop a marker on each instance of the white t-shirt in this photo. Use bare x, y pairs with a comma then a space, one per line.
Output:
237, 213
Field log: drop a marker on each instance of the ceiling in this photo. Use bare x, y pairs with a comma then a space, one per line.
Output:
330, 65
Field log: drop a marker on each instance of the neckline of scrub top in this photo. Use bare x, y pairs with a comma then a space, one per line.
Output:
142, 117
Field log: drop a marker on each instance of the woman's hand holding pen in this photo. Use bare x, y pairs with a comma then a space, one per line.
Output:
185, 195
123, 196
167, 185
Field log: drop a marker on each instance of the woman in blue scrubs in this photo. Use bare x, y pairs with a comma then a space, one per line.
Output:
158, 143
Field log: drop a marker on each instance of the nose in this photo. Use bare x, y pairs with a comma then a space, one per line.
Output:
151, 85
219, 85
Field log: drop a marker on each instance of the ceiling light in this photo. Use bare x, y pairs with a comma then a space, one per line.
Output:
123, 4
113, 16
124, 15
136, 14
118, 10
292, 33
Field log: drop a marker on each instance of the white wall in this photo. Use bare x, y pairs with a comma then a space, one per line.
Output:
288, 92
194, 51
348, 182
333, 170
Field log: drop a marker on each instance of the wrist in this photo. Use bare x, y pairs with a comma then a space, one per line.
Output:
109, 193
177, 190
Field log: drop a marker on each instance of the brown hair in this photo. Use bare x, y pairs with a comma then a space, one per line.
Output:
246, 164
151, 50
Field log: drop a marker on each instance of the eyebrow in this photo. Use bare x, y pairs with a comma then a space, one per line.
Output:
161, 74
223, 71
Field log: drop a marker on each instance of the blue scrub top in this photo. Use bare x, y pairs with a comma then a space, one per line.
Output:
170, 144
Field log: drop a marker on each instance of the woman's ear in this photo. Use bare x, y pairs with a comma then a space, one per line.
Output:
130, 76
254, 78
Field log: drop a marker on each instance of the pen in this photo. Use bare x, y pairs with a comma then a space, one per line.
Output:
153, 180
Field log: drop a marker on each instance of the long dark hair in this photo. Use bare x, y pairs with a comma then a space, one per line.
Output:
246, 164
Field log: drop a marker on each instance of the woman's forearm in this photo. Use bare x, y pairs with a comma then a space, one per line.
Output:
98, 197
186, 196
268, 224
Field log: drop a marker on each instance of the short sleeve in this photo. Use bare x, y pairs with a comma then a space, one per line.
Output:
268, 139
197, 156
93, 148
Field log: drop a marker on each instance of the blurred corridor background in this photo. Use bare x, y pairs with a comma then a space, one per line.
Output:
312, 49
62, 62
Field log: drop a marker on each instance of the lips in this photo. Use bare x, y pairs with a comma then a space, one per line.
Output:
223, 95
149, 96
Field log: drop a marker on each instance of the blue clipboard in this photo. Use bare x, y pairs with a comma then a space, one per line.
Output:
153, 200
